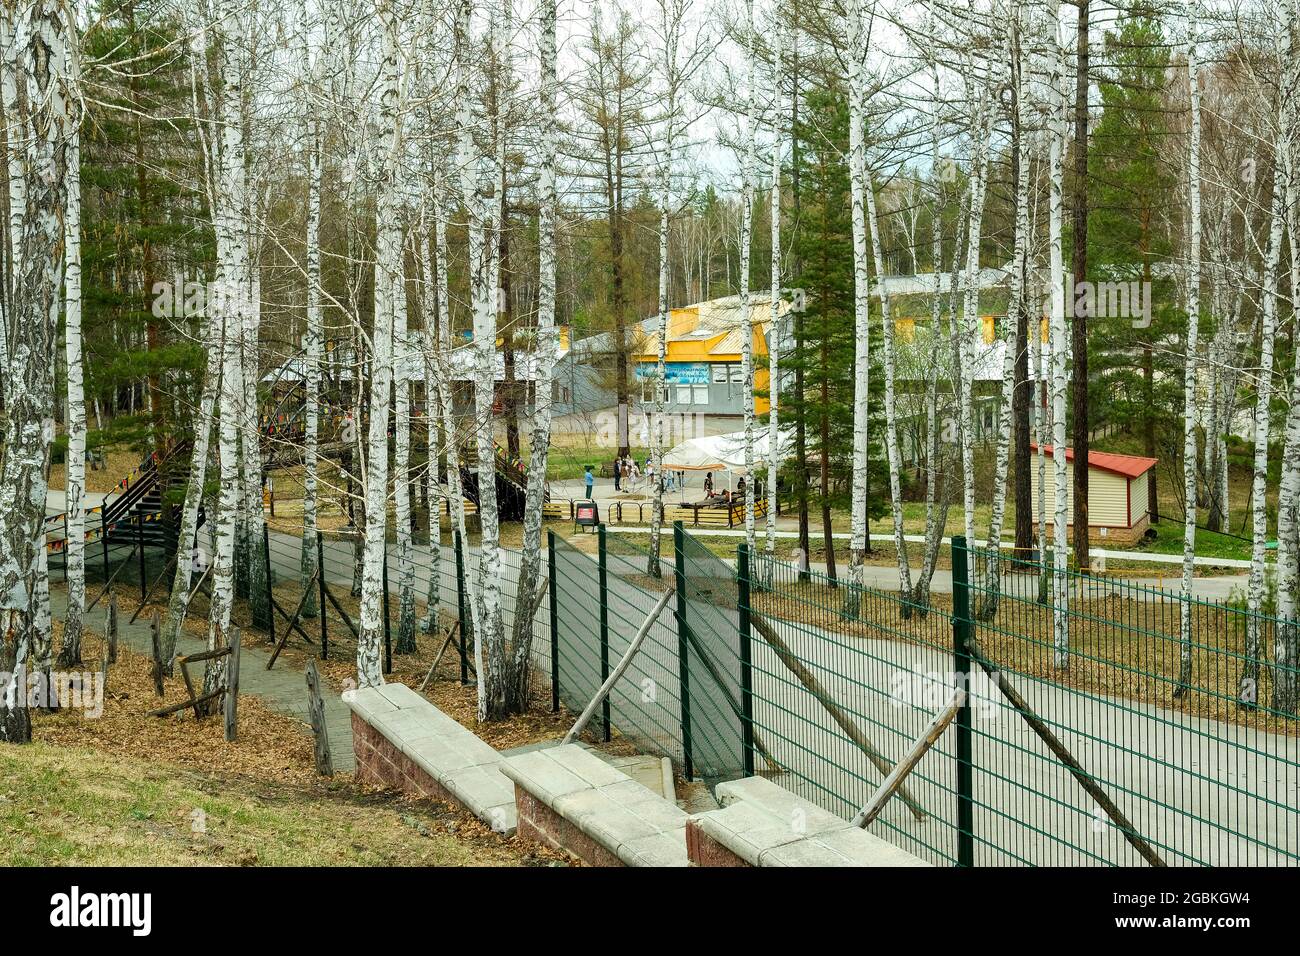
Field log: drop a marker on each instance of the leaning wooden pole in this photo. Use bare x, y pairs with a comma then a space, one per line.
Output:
845, 722
1054, 744
623, 664
933, 731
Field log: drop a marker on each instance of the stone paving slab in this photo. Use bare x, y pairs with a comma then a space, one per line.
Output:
621, 815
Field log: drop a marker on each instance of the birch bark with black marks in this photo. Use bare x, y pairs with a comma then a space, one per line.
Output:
1248, 683
544, 357
33, 81
1056, 125
993, 559
861, 308
313, 340
1193, 281
747, 326
388, 252
75, 459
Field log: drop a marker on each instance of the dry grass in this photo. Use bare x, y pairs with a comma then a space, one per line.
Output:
78, 806
270, 745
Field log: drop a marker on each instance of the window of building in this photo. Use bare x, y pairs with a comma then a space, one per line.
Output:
701, 394
719, 373
737, 374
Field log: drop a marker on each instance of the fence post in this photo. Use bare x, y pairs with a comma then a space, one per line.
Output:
603, 584
139, 540
460, 607
320, 581
746, 670
683, 670
961, 625
266, 559
388, 631
555, 623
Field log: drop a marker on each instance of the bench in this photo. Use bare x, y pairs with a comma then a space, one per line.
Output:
403, 741
557, 509
763, 824
569, 799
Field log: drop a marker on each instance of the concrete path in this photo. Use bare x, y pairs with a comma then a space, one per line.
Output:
283, 688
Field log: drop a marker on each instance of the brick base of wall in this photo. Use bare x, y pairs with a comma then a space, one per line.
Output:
540, 824
381, 764
703, 850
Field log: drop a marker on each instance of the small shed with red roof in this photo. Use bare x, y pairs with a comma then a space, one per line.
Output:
1117, 493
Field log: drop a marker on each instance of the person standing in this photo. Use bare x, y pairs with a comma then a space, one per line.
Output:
708, 484
590, 480
618, 472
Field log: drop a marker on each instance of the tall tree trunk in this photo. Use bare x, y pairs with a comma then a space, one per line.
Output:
746, 313
312, 356
546, 350
37, 54
861, 309
388, 256
1248, 683
1060, 581
1079, 331
403, 488
1190, 363
75, 544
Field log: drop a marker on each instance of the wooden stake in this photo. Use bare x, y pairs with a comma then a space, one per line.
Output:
232, 687
155, 629
316, 707
923, 743
1054, 744
845, 722
110, 629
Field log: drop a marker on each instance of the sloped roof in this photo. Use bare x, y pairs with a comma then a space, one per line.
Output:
1130, 466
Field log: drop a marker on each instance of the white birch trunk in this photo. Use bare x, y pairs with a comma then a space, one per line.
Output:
75, 467
993, 559
861, 308
312, 357
891, 409
403, 489
1189, 368
775, 320
1248, 685
1060, 580
545, 352
746, 313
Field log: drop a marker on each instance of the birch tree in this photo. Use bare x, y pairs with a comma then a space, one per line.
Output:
992, 584
313, 342
36, 89
544, 356
1248, 686
388, 253
75, 506
1193, 281
857, 49
746, 313
775, 338
1056, 269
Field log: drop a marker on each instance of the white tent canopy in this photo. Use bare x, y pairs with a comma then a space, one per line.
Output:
725, 452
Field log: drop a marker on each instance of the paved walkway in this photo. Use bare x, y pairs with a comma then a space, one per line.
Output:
283, 688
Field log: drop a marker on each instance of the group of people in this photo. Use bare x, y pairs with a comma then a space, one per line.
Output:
725, 497
627, 474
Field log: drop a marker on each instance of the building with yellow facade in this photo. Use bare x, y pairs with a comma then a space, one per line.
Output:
702, 364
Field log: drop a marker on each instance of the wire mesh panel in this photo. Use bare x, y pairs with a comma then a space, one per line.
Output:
645, 705
578, 628
1175, 710
844, 680
709, 623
